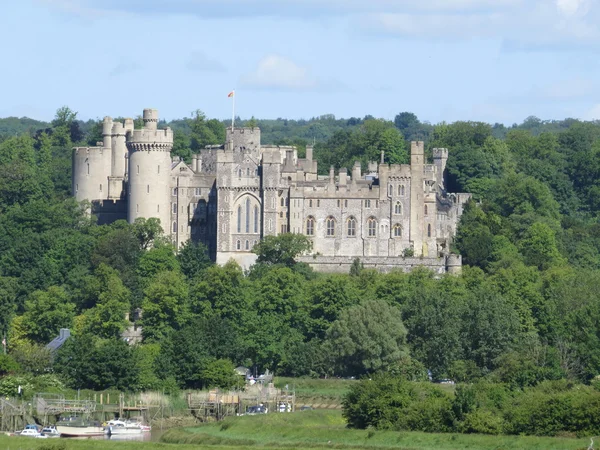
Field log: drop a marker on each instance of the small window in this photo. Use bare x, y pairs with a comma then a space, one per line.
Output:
239, 219
281, 215
174, 191
399, 189
270, 224
351, 227
273, 203
239, 173
174, 228
425, 210
397, 230
402, 190
100, 188
238, 245
77, 188
318, 203
428, 230
158, 171
147, 189
282, 201
138, 169
256, 172
310, 203
398, 208
198, 191
88, 169
345, 203
248, 242
174, 208
157, 208
310, 226
330, 226
248, 175
367, 203
391, 190
338, 203
137, 208
372, 227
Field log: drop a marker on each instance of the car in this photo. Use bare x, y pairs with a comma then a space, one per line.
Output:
306, 408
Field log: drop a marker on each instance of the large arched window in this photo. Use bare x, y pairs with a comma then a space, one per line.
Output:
398, 208
256, 212
372, 226
310, 226
397, 230
330, 223
351, 226
239, 219
428, 230
247, 215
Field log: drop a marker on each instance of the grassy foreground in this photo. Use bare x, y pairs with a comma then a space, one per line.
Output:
326, 429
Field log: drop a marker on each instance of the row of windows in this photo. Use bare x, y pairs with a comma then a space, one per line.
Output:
330, 227
197, 191
238, 244
240, 172
401, 190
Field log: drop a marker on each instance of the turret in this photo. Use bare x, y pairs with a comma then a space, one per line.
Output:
107, 125
417, 154
440, 157
150, 172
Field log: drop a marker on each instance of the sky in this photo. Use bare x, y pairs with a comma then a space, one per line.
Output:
444, 60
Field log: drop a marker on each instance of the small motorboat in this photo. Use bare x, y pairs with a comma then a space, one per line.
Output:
32, 432
120, 427
50, 431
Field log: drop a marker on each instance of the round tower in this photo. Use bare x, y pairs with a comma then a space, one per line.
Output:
150, 172
454, 264
91, 169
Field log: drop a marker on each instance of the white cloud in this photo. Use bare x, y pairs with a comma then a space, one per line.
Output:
277, 72
572, 8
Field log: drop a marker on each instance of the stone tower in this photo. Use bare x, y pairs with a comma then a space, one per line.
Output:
417, 154
150, 190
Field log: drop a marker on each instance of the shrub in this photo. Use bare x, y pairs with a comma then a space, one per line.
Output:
481, 421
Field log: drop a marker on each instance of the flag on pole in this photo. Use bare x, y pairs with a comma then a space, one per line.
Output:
231, 94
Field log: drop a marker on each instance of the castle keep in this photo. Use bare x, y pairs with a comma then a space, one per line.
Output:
391, 216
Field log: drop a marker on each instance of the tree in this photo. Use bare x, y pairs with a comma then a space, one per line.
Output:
193, 258
220, 373
46, 312
282, 249
164, 305
147, 231
540, 248
367, 338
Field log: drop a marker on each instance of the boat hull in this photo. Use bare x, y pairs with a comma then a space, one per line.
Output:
80, 431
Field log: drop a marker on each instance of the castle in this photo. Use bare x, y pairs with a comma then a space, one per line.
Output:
392, 216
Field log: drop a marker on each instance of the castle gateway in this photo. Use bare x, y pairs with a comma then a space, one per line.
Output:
391, 216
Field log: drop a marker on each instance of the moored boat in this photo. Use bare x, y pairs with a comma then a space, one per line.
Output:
79, 427
120, 427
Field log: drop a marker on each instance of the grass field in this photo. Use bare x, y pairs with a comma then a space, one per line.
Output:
326, 429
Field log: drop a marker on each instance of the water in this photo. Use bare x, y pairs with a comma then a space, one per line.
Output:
152, 436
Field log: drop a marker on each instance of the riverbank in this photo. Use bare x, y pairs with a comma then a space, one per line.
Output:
327, 429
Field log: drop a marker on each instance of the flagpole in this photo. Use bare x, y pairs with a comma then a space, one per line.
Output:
233, 111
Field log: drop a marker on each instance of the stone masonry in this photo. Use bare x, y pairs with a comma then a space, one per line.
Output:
231, 196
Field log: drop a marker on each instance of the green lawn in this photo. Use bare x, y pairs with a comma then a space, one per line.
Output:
326, 429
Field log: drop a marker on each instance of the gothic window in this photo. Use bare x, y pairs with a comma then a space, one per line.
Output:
397, 230
174, 208
310, 203
174, 227
367, 203
175, 191
372, 226
247, 215
310, 226
330, 226
338, 202
428, 230
351, 227
239, 219
345, 203
248, 172
425, 209
282, 201
402, 190
318, 203
391, 189
198, 191
247, 245
239, 173
398, 208
238, 245
256, 219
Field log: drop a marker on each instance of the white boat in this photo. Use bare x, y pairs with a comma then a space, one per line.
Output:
31, 432
50, 431
120, 427
78, 427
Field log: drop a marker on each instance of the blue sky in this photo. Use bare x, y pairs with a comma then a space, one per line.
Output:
444, 60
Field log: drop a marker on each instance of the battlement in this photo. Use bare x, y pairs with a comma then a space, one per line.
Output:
417, 148
150, 117
440, 153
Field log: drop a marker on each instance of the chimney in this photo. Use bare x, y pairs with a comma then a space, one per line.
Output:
309, 152
343, 176
356, 172
195, 163
331, 175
